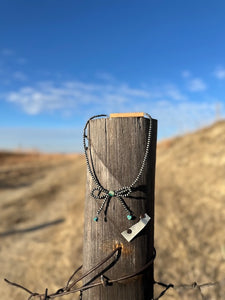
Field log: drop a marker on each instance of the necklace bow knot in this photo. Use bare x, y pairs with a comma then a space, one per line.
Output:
108, 194
123, 192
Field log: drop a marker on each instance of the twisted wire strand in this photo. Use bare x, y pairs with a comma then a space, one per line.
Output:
191, 286
166, 287
69, 288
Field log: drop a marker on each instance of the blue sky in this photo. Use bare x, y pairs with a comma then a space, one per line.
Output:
63, 61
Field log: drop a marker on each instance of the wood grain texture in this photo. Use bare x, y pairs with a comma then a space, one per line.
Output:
117, 149
127, 115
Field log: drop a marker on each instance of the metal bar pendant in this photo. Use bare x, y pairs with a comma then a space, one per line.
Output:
130, 233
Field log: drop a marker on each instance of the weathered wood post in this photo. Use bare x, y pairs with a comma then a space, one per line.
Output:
117, 146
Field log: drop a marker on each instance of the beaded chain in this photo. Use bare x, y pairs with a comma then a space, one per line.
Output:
101, 193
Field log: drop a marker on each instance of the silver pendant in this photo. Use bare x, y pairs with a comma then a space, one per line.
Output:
131, 232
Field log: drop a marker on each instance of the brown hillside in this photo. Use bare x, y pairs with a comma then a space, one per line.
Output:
41, 204
190, 209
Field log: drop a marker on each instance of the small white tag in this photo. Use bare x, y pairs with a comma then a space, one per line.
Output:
130, 233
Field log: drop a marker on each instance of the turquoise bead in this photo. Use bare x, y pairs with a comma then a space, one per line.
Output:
96, 219
111, 193
129, 217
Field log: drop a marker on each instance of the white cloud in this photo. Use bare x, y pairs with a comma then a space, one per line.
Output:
197, 85
20, 76
7, 52
21, 61
167, 103
165, 91
34, 101
125, 89
49, 96
186, 74
194, 84
219, 73
176, 118
173, 92
105, 76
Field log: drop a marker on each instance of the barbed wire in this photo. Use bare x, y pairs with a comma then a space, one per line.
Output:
193, 286
105, 282
71, 285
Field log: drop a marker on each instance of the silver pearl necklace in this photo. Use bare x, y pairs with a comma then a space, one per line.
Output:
101, 193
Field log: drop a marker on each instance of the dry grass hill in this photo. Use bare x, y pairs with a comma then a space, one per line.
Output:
41, 219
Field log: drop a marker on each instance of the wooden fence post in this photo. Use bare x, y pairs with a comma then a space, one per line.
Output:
117, 149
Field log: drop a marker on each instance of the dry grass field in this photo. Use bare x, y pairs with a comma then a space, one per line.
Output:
41, 216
